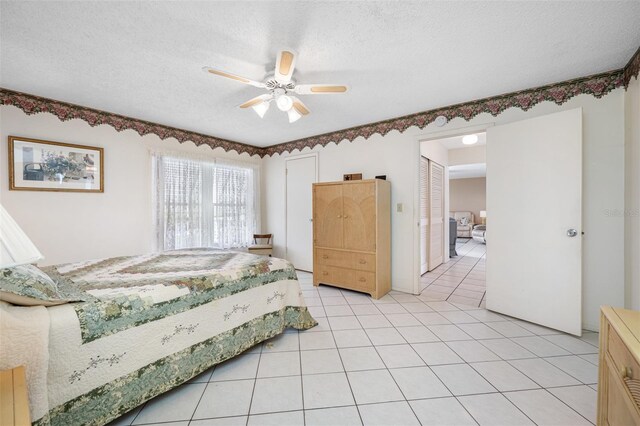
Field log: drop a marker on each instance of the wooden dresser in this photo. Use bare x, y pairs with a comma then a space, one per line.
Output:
14, 401
352, 235
619, 380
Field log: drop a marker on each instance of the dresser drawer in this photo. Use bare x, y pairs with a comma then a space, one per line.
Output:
346, 259
333, 275
624, 366
364, 281
364, 261
337, 258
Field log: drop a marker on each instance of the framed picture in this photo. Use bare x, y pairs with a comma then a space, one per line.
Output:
38, 165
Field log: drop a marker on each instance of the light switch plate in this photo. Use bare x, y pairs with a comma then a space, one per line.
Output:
399, 207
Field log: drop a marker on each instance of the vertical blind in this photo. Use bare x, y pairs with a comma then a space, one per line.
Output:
203, 203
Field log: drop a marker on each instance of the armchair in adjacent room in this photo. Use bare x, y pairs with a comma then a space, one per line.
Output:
465, 222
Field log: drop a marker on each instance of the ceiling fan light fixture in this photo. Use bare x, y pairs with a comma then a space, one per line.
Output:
293, 115
470, 139
284, 102
261, 108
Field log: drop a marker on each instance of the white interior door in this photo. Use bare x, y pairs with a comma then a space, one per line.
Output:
424, 214
436, 214
534, 201
301, 174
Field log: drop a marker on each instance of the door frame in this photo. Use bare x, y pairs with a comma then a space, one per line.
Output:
290, 158
432, 135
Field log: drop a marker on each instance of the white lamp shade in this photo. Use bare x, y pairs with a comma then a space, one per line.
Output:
483, 213
15, 247
261, 108
293, 115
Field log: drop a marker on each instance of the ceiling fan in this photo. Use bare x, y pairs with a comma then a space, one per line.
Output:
281, 88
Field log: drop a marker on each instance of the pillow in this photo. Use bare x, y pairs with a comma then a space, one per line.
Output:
27, 285
464, 221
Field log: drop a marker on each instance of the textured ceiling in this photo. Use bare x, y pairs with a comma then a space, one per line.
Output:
144, 59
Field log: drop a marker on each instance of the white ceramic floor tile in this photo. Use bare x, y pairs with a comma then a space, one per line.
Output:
319, 340
503, 376
431, 318
459, 317
279, 364
241, 367
441, 412
344, 416
442, 306
486, 316
292, 418
391, 413
365, 358
175, 405
436, 353
321, 361
224, 421
374, 386
368, 309
204, 377
277, 394
351, 338
225, 399
507, 349
582, 399
385, 336
462, 379
545, 409
417, 334
403, 320
480, 331
572, 344
416, 307
374, 321
338, 310
509, 329
540, 346
326, 390
543, 373
396, 356
494, 409
472, 351
391, 308
344, 323
577, 367
419, 383
449, 333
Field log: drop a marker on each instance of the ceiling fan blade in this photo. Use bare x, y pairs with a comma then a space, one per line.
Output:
285, 64
320, 89
233, 77
299, 106
255, 101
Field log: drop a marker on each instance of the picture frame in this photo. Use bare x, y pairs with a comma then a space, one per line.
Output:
41, 165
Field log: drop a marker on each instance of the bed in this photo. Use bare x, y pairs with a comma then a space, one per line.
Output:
146, 324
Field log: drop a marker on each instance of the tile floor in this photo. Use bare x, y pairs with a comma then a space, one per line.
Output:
400, 360
462, 279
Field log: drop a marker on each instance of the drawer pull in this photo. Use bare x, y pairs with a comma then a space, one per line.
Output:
325, 273
362, 262
325, 256
339, 216
627, 373
345, 216
362, 279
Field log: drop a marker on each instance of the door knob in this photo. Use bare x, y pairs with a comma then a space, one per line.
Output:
571, 232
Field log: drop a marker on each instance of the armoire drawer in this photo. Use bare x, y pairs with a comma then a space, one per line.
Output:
348, 278
345, 259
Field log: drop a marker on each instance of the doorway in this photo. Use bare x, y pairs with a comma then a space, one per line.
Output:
301, 173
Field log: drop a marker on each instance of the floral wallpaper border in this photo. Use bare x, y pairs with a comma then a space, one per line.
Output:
597, 85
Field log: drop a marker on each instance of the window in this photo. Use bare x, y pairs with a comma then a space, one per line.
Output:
203, 203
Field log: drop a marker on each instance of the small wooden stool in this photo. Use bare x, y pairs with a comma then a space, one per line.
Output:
14, 401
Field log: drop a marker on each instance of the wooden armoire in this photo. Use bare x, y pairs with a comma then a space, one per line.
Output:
352, 235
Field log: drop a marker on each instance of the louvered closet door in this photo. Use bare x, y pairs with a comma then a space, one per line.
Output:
424, 214
327, 216
360, 216
436, 215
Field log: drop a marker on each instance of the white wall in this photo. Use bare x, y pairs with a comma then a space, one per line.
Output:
396, 155
632, 195
69, 227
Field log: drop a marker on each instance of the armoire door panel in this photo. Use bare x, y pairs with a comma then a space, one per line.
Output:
327, 218
360, 216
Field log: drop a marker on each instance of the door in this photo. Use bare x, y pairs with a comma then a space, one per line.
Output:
359, 216
424, 214
534, 219
327, 216
436, 214
301, 174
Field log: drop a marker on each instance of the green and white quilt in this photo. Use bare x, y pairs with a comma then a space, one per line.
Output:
153, 322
